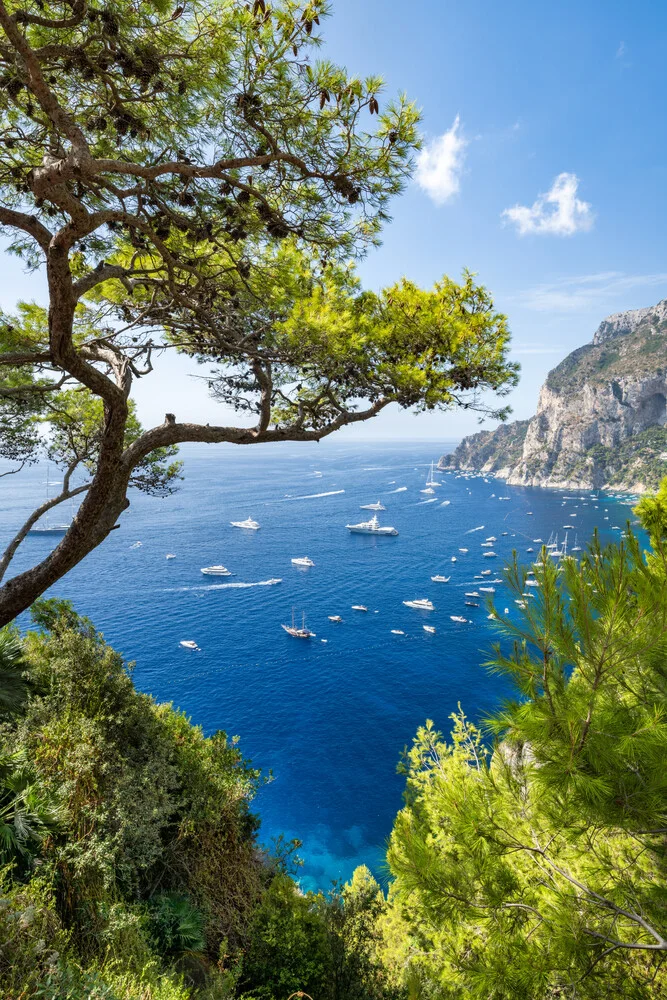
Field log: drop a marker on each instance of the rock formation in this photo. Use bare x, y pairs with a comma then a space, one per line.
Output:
600, 418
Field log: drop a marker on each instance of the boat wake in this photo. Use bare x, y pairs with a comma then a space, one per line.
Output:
401, 489
432, 500
480, 528
225, 586
308, 496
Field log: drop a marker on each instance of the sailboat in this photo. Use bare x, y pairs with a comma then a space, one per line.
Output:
430, 481
44, 527
298, 633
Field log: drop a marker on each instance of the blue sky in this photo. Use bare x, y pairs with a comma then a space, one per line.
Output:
514, 96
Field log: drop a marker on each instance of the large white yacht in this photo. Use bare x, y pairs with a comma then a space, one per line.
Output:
302, 561
372, 506
441, 579
215, 571
371, 527
421, 603
248, 523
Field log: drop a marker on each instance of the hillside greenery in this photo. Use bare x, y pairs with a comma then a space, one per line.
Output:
528, 861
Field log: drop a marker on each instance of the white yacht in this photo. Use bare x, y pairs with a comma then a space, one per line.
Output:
302, 561
445, 503
371, 527
429, 628
486, 545
458, 618
334, 618
463, 550
248, 523
487, 590
215, 571
421, 603
471, 593
428, 489
296, 632
188, 644
170, 555
489, 555
372, 506
440, 579
453, 558
136, 545
485, 572
492, 538
397, 631
359, 607
49, 529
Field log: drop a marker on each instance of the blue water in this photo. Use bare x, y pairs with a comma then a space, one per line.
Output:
330, 719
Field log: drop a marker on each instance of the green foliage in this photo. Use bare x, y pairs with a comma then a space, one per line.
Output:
327, 946
535, 867
175, 924
13, 685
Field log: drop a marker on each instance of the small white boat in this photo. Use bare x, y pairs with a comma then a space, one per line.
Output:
463, 550
485, 572
486, 545
471, 593
522, 604
536, 540
215, 571
397, 631
429, 628
430, 480
427, 490
372, 506
302, 561
458, 618
453, 558
440, 579
334, 618
532, 583
421, 603
507, 611
170, 555
359, 607
530, 549
135, 545
248, 523
188, 644
445, 503
492, 538
487, 590
489, 555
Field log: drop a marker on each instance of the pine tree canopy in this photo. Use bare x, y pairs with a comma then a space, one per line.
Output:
194, 179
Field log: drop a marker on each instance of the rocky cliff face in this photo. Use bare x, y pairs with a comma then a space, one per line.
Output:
601, 416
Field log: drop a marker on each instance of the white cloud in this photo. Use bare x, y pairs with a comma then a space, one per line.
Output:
440, 164
594, 292
558, 212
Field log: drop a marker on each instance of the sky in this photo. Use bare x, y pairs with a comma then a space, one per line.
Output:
544, 171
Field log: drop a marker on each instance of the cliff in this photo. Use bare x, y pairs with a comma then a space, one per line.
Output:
600, 418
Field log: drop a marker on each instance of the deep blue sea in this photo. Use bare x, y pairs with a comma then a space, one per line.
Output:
328, 718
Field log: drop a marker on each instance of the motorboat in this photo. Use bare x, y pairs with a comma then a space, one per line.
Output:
489, 555
188, 644
492, 538
359, 607
421, 603
486, 545
485, 572
440, 579
463, 550
445, 503
296, 632
458, 618
248, 523
472, 593
397, 631
429, 628
334, 618
487, 590
136, 545
472, 604
372, 527
453, 558
215, 571
302, 561
428, 489
531, 549
373, 506
170, 555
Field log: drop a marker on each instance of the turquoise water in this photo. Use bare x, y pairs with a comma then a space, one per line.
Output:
330, 719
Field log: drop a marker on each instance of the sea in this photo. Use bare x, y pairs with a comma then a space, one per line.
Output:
326, 718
